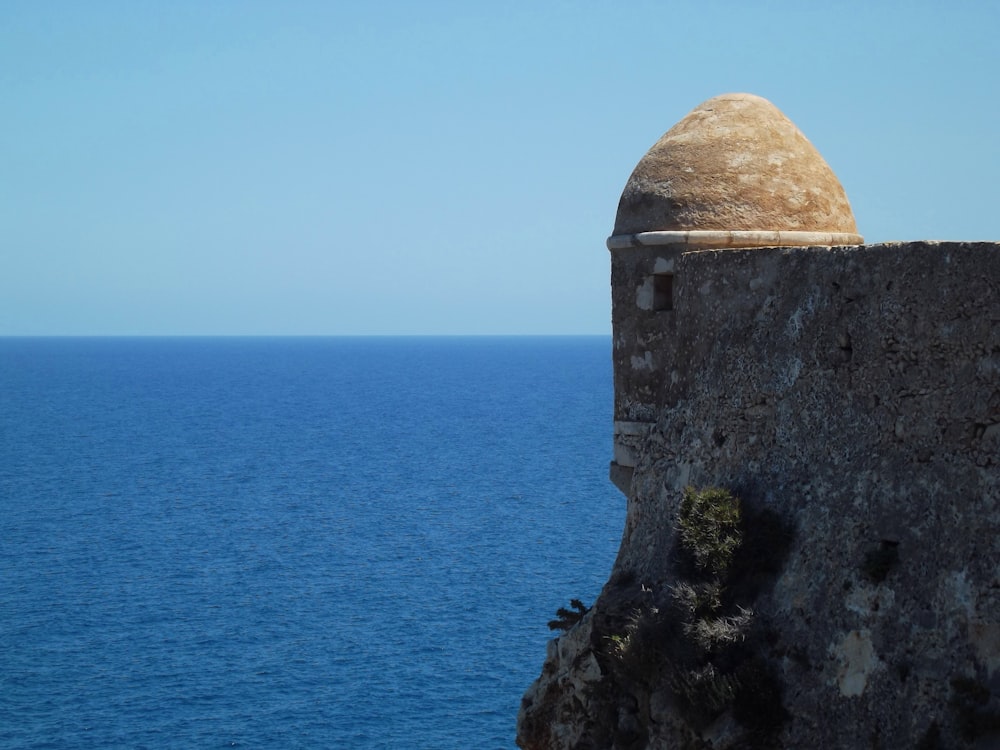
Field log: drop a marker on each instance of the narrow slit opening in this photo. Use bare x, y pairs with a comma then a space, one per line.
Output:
663, 292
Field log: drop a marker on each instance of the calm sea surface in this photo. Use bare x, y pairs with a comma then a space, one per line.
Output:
281, 543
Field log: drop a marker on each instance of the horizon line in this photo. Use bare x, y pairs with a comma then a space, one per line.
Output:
294, 335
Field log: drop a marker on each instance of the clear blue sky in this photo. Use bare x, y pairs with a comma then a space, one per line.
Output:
434, 167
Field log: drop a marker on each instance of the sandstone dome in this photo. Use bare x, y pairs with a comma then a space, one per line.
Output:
735, 164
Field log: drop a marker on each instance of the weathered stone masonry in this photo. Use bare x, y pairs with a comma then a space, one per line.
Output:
853, 394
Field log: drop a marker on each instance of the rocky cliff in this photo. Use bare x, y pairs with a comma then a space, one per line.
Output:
842, 589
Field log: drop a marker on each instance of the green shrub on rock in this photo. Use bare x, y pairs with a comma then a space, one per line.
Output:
568, 618
709, 527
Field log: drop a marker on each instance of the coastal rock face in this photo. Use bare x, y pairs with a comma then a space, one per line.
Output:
735, 162
850, 399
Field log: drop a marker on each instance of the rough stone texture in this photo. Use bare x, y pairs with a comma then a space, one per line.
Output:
644, 339
734, 163
851, 398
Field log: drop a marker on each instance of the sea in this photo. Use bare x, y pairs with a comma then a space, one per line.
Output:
293, 542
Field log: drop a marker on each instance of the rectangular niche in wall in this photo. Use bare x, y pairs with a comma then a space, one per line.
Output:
663, 291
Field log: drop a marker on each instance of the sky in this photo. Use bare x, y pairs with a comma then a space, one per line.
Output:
439, 168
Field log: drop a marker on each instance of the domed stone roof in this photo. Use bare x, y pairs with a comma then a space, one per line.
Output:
735, 164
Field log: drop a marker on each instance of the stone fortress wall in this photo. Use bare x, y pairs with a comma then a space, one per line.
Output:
849, 396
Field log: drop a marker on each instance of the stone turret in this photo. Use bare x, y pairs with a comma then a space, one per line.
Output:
837, 402
734, 173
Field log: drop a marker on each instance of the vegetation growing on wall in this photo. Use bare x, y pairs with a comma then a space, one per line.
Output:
709, 528
699, 637
567, 618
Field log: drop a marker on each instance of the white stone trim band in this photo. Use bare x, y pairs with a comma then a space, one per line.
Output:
716, 239
633, 428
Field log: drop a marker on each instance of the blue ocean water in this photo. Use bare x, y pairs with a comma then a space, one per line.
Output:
316, 542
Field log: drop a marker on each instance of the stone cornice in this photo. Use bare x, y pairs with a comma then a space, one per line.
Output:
716, 239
